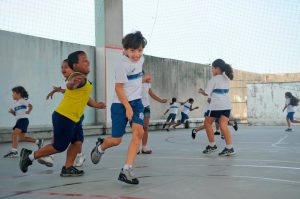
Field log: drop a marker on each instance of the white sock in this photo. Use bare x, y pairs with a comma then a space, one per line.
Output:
14, 150
31, 156
79, 154
229, 146
100, 150
144, 148
212, 144
127, 166
217, 130
37, 141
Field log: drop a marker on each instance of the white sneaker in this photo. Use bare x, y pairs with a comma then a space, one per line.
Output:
48, 161
79, 160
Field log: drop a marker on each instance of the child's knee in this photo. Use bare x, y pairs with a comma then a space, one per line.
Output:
116, 141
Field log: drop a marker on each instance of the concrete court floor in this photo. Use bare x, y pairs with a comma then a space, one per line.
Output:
267, 165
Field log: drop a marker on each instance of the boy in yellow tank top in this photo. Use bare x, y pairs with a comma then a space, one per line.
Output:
66, 118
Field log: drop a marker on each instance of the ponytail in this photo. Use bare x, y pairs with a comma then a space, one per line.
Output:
225, 68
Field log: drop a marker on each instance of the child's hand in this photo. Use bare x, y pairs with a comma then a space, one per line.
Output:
129, 113
50, 95
147, 78
101, 105
27, 112
201, 90
164, 101
11, 111
196, 107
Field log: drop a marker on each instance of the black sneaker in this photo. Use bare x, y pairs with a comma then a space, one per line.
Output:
194, 133
222, 137
95, 154
71, 172
148, 151
217, 133
209, 149
164, 126
235, 125
227, 152
11, 154
100, 140
289, 129
127, 176
40, 143
25, 162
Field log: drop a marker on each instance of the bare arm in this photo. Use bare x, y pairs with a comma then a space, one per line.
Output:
30, 107
201, 91
12, 112
155, 97
93, 103
123, 99
166, 111
55, 90
77, 81
284, 107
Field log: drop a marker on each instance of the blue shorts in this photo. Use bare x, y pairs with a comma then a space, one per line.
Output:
22, 124
290, 116
147, 111
184, 117
65, 131
172, 117
119, 119
218, 114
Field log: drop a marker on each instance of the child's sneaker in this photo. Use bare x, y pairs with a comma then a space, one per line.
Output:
235, 125
164, 126
95, 154
193, 134
25, 162
289, 129
227, 152
40, 143
146, 151
217, 133
79, 160
11, 154
209, 149
127, 176
48, 161
71, 172
222, 137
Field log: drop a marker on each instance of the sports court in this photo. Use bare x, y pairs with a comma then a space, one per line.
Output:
266, 165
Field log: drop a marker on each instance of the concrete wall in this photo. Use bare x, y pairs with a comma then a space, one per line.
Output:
266, 101
35, 64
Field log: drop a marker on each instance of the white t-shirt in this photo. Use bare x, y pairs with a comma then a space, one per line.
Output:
130, 74
289, 107
145, 94
218, 90
63, 84
20, 107
186, 108
174, 108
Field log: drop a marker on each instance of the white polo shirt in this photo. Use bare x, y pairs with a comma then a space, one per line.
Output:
186, 108
130, 74
174, 108
218, 90
289, 107
145, 94
20, 107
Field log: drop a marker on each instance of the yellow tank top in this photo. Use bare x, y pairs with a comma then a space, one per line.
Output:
74, 102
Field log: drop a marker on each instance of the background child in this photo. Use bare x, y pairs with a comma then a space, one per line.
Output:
219, 106
187, 107
290, 102
146, 92
127, 105
20, 110
174, 106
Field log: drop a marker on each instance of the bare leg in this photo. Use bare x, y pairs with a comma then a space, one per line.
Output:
145, 136
72, 151
288, 122
45, 151
225, 130
209, 130
137, 134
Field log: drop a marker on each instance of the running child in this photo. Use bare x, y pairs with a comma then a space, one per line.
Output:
173, 108
66, 119
146, 92
290, 102
127, 105
219, 106
21, 110
187, 107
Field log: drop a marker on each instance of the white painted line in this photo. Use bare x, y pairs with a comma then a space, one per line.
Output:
269, 179
273, 167
279, 141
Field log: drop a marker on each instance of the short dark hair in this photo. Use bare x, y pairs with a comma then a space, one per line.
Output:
21, 90
73, 58
173, 100
224, 67
134, 40
191, 100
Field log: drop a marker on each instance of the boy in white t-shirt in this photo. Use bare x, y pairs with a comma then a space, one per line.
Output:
173, 108
187, 107
127, 105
